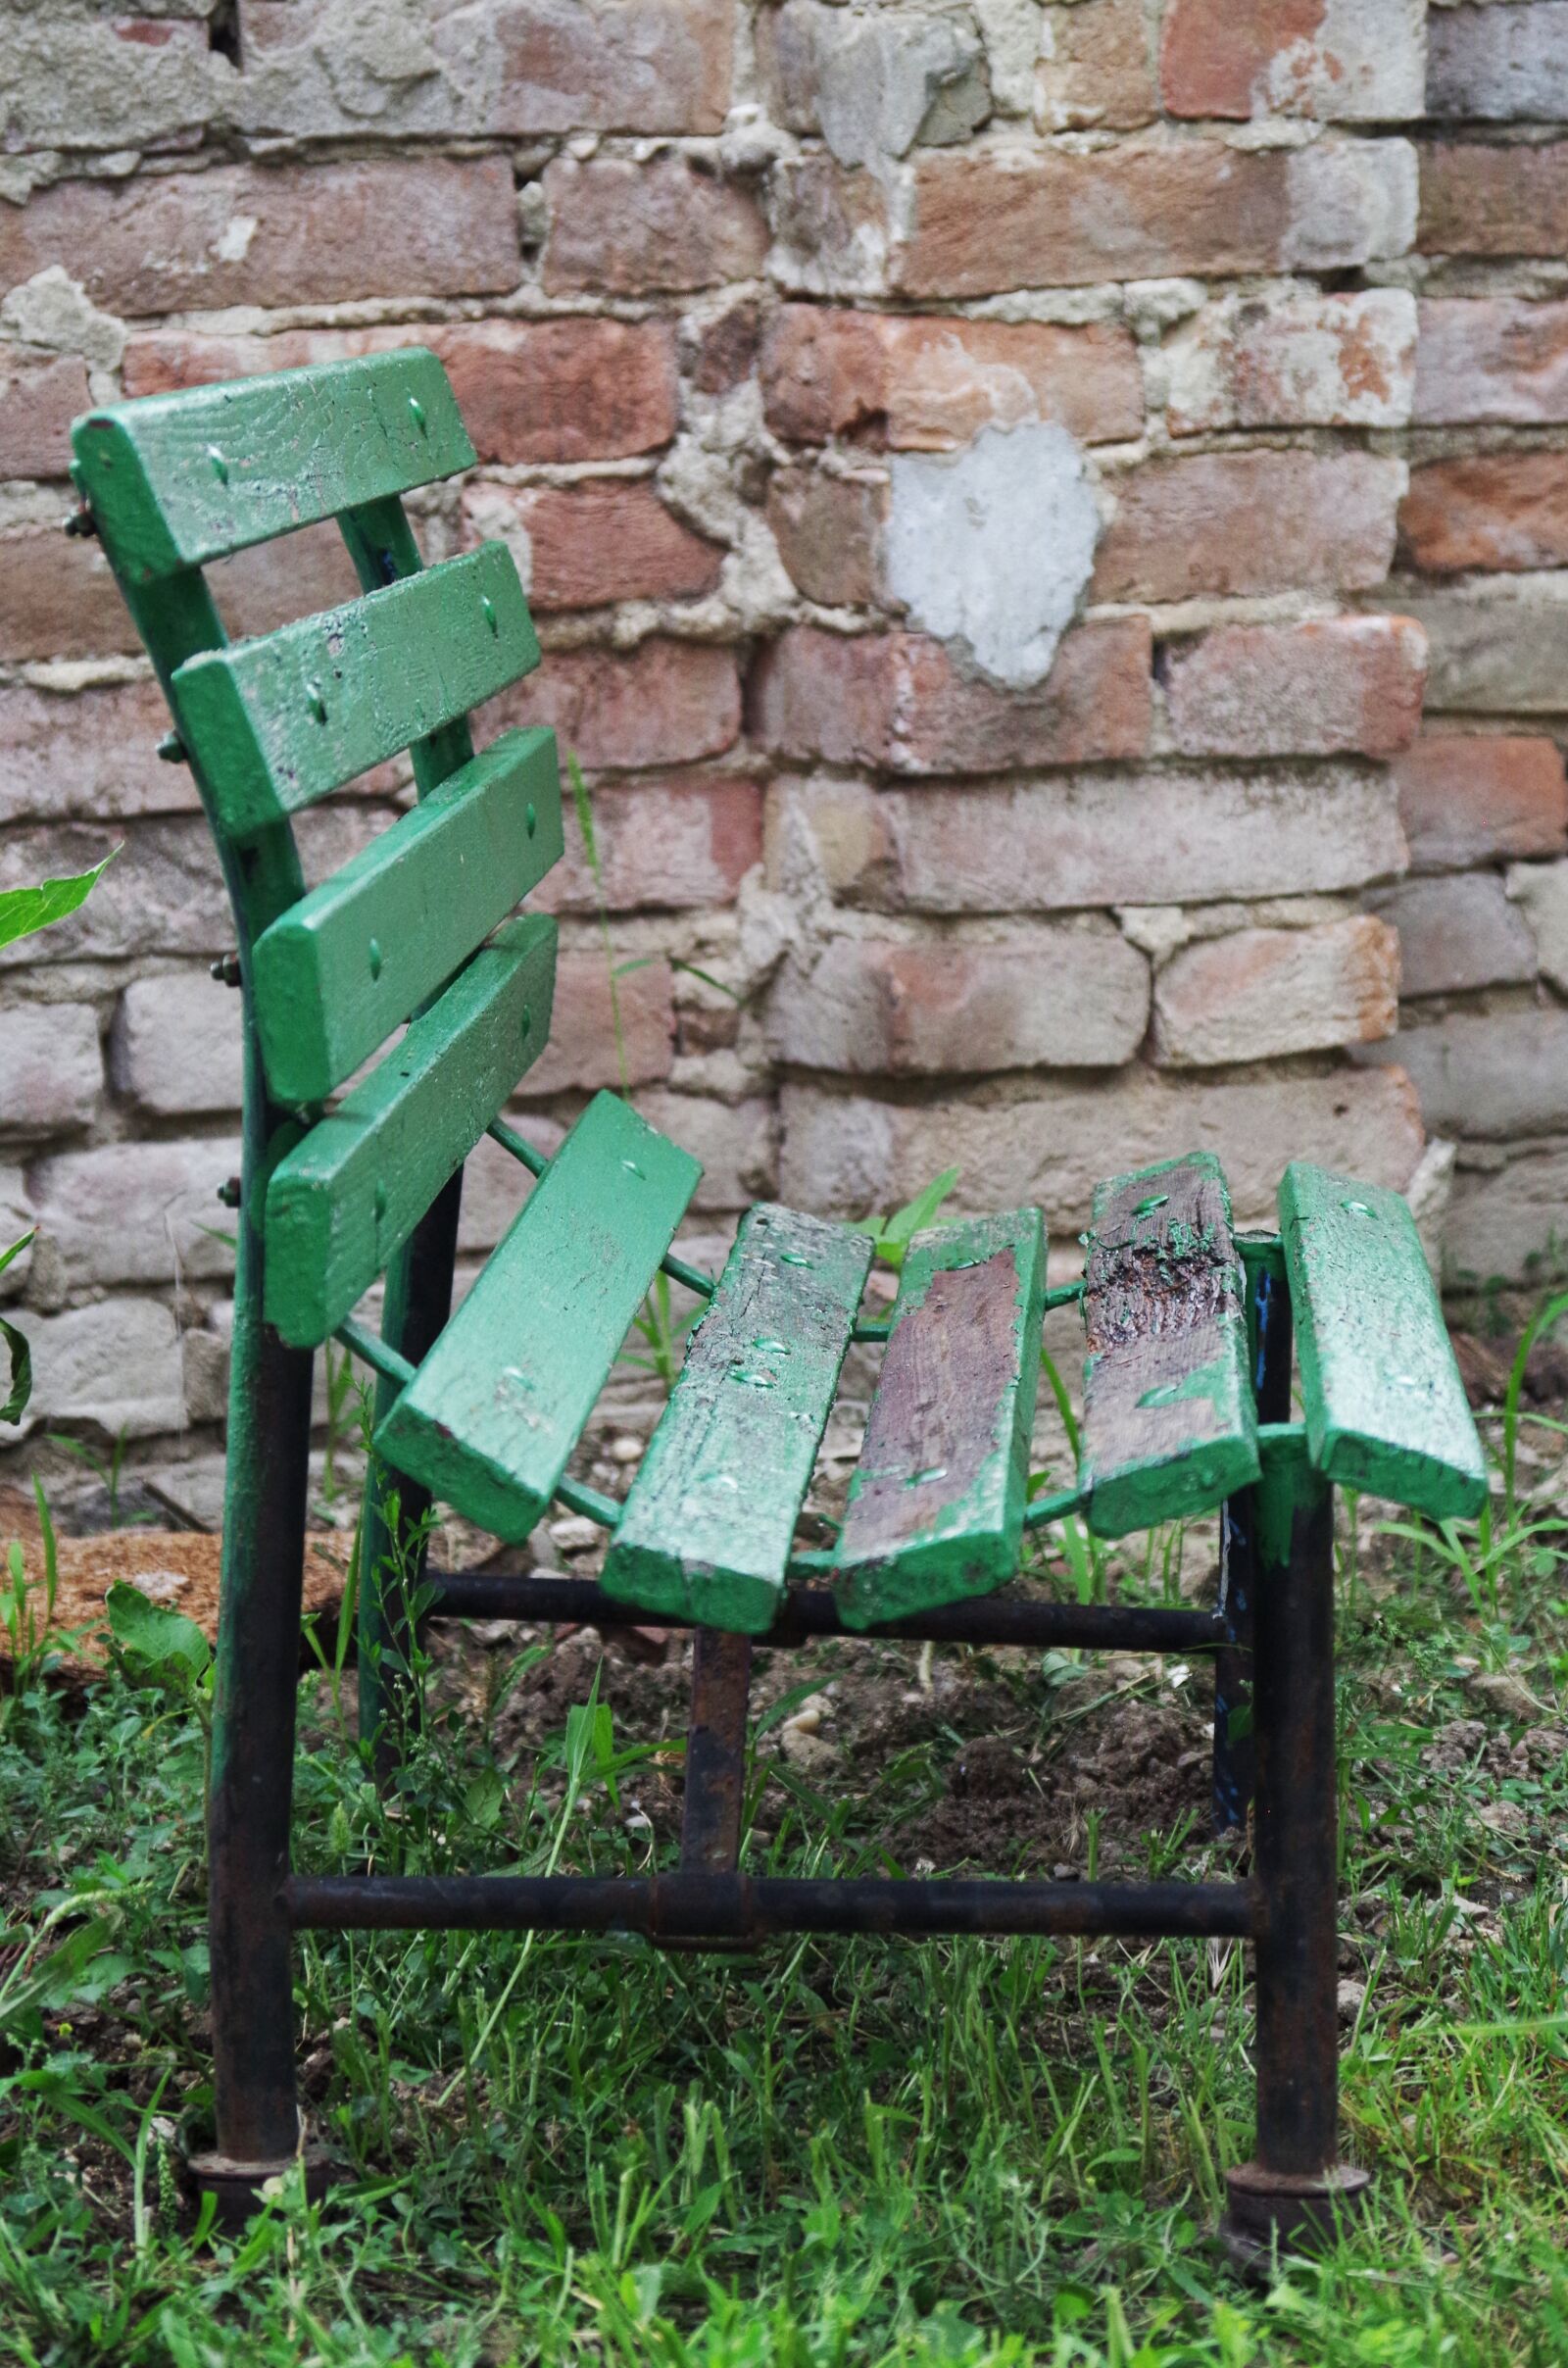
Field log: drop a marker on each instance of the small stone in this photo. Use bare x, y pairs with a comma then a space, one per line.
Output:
1505, 1692
627, 1448
575, 1533
1350, 2000
1506, 1817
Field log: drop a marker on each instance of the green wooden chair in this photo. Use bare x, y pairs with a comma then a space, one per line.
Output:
1189, 1329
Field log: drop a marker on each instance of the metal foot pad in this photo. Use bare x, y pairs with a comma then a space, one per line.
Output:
1300, 2209
238, 2184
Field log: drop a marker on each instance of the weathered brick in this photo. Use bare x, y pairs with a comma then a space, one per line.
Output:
1186, 836
1000, 218
17, 1217
250, 234
1480, 199
1490, 358
829, 533
1351, 684
735, 1141
1250, 522
1064, 998
667, 844
1457, 933
530, 390
51, 1070
1504, 1222
1499, 649
898, 700
630, 66
1260, 992
40, 397
116, 1365
108, 81
1466, 798
178, 1045
1096, 69
595, 542
1296, 362
1500, 64
849, 1152
136, 1212
1541, 891
663, 703
585, 1050
630, 229
1501, 510
831, 230
1339, 61
1488, 1074
921, 384
873, 84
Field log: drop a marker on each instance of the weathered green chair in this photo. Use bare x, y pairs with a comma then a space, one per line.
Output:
1189, 1329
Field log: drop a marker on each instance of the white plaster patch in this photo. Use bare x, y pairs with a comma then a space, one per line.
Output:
994, 546
236, 236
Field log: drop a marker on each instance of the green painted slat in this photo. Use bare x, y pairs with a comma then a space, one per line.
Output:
707, 1526
337, 973
279, 722
1170, 1425
1385, 1408
341, 1204
503, 1398
936, 1508
180, 479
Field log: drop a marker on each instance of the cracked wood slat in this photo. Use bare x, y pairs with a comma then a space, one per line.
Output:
936, 1508
345, 965
185, 478
1384, 1405
1171, 1424
345, 1198
710, 1517
279, 722
493, 1413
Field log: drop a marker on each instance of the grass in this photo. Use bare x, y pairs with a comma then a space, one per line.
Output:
968, 2153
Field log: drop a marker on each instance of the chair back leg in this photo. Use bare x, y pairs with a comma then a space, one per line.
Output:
1268, 1341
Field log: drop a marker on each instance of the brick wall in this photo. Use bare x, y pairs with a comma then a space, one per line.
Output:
996, 479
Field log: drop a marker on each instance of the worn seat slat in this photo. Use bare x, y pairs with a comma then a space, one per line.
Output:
279, 722
348, 1195
1384, 1405
936, 1507
342, 967
1171, 1423
707, 1526
494, 1411
177, 480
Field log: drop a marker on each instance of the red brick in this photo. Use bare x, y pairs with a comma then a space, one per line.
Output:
831, 226
639, 65
721, 352
1490, 358
663, 703
630, 229
1474, 798
1097, 71
1298, 362
898, 700
89, 755
259, 234
1240, 58
829, 533
530, 390
1350, 685
1506, 509
1249, 522
583, 1051
38, 399
929, 384
58, 599
1477, 199
1459, 933
663, 844
596, 542
1262, 993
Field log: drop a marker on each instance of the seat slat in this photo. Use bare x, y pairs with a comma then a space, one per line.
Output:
1384, 1405
343, 1202
495, 1411
1170, 1425
936, 1508
277, 723
184, 479
710, 1517
339, 971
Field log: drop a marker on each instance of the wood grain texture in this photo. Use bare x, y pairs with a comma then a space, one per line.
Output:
184, 478
498, 1406
277, 723
336, 974
1169, 1418
710, 1517
936, 1507
342, 1203
1385, 1408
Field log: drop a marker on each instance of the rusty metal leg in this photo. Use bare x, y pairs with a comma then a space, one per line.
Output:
715, 1763
1268, 1330
1295, 2187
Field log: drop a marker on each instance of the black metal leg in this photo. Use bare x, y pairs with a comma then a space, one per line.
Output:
715, 1766
1268, 1331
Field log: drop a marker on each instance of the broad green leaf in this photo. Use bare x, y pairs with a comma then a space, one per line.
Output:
154, 1636
25, 910
894, 1234
20, 1359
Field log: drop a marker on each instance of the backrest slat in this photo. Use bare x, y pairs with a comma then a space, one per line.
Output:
279, 722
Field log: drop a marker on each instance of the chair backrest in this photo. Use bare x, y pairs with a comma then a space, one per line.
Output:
411, 927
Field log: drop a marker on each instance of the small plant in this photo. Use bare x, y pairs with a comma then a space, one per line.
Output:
891, 1236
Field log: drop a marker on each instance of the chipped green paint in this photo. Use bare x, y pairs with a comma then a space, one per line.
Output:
343, 1201
1169, 1420
936, 1508
1386, 1410
279, 722
709, 1523
344, 966
294, 446
498, 1406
